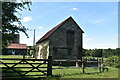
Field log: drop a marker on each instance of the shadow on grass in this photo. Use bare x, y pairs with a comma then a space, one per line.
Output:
91, 73
10, 74
15, 76
74, 74
53, 77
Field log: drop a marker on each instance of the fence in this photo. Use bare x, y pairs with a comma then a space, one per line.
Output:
12, 67
36, 64
83, 63
92, 60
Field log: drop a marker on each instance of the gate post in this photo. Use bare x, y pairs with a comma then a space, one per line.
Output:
49, 66
77, 64
99, 65
83, 65
102, 65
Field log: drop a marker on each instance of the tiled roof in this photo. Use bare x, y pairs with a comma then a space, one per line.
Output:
47, 35
17, 46
51, 31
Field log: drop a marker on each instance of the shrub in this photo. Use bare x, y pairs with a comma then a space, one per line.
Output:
112, 61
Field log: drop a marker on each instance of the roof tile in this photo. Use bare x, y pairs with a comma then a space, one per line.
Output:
51, 31
17, 46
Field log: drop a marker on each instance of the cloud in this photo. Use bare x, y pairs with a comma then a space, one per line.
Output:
26, 19
40, 27
98, 21
41, 32
89, 39
85, 36
74, 9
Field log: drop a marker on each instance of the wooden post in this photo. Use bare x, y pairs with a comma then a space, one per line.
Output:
83, 65
23, 56
77, 64
49, 66
102, 66
99, 65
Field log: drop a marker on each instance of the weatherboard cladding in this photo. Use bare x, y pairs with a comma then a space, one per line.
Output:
49, 33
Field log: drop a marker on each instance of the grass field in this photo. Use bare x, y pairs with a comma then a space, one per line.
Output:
75, 73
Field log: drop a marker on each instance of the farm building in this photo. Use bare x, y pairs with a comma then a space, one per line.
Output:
17, 49
64, 41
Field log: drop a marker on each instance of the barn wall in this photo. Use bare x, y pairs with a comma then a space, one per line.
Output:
59, 47
43, 50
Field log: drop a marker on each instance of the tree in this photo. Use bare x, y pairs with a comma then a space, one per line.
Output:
116, 52
9, 18
83, 52
87, 52
102, 52
97, 53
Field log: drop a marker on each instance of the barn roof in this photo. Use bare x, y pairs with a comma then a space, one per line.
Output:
47, 35
17, 46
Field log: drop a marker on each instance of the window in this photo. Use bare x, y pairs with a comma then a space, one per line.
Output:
55, 50
60, 52
70, 38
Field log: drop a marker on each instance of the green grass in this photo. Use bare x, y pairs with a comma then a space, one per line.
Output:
89, 73
10, 56
13, 56
70, 72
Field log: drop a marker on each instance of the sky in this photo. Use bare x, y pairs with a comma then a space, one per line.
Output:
99, 21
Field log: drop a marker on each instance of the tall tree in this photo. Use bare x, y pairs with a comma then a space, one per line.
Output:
9, 18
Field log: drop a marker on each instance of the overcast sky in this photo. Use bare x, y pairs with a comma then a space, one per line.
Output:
99, 21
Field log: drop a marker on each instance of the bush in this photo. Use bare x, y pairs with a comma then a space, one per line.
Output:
112, 61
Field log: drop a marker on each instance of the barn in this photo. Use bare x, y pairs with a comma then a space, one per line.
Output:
64, 41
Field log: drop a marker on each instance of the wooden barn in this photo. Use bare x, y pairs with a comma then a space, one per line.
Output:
64, 41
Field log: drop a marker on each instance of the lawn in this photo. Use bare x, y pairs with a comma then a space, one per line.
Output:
72, 72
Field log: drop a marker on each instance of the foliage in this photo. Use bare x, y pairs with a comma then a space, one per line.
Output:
35, 51
97, 53
102, 52
87, 52
30, 50
44, 52
112, 61
83, 52
11, 23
